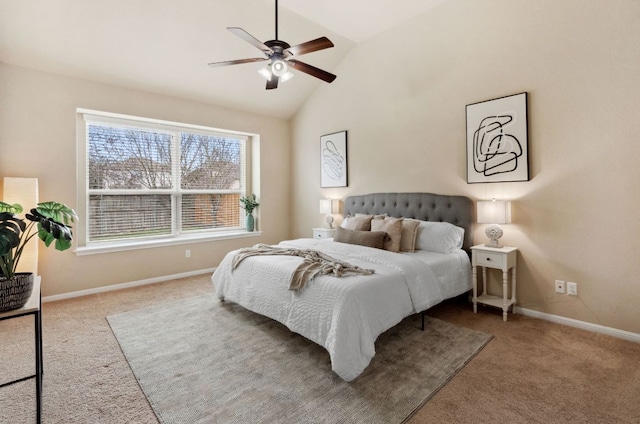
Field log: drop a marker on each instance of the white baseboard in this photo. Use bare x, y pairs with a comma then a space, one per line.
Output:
621, 334
113, 287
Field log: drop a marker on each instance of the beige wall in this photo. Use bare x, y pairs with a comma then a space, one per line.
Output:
401, 96
37, 139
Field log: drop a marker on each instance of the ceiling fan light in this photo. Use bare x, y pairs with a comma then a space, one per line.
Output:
286, 76
266, 73
279, 68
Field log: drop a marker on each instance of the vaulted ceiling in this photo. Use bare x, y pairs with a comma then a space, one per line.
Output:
163, 46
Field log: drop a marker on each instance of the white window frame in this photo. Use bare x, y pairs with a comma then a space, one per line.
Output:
84, 117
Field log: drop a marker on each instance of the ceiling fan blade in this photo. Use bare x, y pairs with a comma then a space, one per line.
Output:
237, 62
273, 82
312, 70
251, 40
310, 46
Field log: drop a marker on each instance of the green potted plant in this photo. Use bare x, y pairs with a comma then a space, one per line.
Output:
249, 204
52, 220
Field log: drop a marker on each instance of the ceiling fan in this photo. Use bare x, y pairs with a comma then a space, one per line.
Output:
280, 56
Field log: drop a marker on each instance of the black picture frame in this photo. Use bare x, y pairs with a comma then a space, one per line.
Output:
334, 170
497, 140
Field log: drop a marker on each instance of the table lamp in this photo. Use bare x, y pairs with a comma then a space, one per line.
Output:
494, 212
329, 207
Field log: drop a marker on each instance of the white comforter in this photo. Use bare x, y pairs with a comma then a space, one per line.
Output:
344, 315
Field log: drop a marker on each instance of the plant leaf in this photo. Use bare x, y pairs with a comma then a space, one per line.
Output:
62, 244
11, 228
45, 236
58, 212
15, 208
50, 229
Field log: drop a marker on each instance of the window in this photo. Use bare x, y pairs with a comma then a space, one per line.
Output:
145, 181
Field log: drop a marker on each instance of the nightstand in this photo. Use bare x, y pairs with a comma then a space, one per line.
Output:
323, 233
503, 258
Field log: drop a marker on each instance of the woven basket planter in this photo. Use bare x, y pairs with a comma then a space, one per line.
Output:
15, 292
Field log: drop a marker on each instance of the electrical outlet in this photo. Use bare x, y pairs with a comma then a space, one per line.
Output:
187, 253
559, 286
572, 288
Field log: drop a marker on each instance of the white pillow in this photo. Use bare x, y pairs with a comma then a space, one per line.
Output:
440, 237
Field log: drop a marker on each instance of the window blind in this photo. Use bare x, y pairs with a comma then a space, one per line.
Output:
150, 179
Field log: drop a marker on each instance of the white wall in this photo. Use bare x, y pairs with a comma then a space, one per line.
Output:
401, 96
38, 139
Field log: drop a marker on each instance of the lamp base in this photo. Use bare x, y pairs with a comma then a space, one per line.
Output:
494, 232
329, 221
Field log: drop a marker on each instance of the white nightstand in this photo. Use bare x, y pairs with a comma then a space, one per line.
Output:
503, 258
323, 233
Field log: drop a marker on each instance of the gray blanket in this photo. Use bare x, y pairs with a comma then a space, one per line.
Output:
314, 263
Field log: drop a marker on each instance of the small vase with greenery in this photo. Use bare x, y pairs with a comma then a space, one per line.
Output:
52, 221
249, 204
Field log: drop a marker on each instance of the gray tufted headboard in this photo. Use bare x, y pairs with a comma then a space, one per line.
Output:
457, 210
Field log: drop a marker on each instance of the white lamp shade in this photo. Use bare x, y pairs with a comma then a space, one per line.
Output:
286, 76
266, 74
494, 212
329, 206
25, 192
279, 68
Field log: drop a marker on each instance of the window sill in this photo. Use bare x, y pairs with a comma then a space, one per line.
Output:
122, 246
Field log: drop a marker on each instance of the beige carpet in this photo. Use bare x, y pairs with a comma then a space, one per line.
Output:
532, 371
202, 361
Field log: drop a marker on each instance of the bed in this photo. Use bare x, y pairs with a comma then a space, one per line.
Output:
346, 315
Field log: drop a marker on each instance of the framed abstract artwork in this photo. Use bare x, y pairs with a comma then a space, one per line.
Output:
497, 140
333, 160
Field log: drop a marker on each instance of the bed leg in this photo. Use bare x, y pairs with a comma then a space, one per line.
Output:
422, 314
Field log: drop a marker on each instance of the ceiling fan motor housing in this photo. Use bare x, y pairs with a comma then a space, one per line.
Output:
277, 59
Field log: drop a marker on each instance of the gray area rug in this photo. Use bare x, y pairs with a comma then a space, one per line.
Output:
200, 360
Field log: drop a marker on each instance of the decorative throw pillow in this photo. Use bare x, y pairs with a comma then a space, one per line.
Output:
362, 238
393, 228
441, 237
409, 234
359, 222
